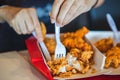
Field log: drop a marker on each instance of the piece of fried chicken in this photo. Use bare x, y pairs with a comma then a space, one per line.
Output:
113, 57
50, 44
76, 40
104, 44
84, 56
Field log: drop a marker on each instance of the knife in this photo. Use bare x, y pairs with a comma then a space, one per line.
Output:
44, 48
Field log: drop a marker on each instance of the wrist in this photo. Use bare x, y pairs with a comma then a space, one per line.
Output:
2, 13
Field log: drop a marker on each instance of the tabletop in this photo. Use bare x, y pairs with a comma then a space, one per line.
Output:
16, 66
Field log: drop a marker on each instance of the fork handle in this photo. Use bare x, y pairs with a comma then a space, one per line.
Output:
57, 33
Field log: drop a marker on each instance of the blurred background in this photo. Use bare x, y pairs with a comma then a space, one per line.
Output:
95, 19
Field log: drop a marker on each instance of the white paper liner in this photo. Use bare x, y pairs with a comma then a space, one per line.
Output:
98, 57
95, 36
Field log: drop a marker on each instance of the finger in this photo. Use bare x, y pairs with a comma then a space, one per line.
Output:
78, 12
36, 25
55, 10
21, 21
63, 11
22, 26
82, 9
29, 23
15, 26
75, 6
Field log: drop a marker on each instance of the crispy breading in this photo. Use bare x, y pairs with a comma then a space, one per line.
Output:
76, 40
85, 56
56, 64
118, 44
87, 67
75, 52
43, 29
113, 57
112, 53
104, 44
80, 33
79, 53
66, 66
50, 44
82, 55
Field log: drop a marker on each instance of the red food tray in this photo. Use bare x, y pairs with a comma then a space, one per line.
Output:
37, 59
38, 62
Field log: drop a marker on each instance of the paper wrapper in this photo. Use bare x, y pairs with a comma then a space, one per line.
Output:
99, 64
95, 36
38, 60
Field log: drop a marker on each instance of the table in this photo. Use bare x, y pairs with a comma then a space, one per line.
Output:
16, 66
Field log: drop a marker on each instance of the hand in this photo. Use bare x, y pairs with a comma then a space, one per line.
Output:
64, 11
22, 20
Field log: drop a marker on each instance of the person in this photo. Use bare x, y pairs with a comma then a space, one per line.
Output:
24, 20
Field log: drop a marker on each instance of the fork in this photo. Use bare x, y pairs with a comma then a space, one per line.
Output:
113, 26
60, 50
44, 48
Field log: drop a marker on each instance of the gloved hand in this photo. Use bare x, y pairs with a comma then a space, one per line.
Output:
64, 11
22, 20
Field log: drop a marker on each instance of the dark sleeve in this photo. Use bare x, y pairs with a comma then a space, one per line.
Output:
10, 2
2, 2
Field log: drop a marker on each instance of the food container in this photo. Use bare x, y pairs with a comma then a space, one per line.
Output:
95, 36
37, 59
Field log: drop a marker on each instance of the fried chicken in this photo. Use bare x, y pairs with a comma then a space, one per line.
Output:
113, 57
79, 53
104, 44
82, 55
76, 40
50, 44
